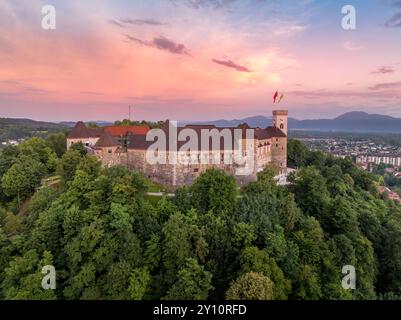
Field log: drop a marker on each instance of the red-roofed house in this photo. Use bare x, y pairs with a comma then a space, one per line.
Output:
90, 136
120, 131
391, 194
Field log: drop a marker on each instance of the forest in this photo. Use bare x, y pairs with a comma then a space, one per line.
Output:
17, 129
109, 240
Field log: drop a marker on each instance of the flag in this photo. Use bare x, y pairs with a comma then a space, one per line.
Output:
281, 98
275, 97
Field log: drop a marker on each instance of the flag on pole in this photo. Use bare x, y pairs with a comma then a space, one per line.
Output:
275, 97
281, 98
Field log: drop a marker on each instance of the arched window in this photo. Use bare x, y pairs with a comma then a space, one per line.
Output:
281, 126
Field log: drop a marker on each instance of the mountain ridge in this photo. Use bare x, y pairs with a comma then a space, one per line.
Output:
354, 121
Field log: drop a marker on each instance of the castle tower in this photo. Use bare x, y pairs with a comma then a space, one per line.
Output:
280, 120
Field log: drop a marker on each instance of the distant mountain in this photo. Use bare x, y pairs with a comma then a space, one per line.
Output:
9, 122
348, 122
15, 129
356, 121
351, 122
256, 121
99, 123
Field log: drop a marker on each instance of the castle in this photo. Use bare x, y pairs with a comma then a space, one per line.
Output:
130, 145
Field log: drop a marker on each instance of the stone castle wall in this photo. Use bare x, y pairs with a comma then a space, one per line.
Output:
167, 174
173, 175
279, 152
84, 141
267, 151
110, 157
186, 174
263, 153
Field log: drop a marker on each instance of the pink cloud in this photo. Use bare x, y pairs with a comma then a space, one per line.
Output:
384, 70
232, 65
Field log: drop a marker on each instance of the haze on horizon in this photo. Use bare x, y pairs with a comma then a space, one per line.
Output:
198, 59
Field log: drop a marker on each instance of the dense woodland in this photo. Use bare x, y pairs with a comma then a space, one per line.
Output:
19, 129
109, 240
16, 129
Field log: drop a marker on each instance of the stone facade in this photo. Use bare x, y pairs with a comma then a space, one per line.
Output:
279, 152
269, 146
111, 156
90, 141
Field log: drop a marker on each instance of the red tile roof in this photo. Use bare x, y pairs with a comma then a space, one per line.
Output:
124, 130
81, 131
391, 194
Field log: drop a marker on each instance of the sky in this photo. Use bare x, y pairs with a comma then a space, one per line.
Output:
198, 59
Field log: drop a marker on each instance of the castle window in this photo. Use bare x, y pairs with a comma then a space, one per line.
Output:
276, 145
281, 126
110, 151
196, 170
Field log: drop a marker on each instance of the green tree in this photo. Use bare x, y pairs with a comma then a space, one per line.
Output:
22, 178
341, 218
253, 259
7, 158
92, 125
13, 225
308, 286
251, 286
41, 201
153, 254
297, 154
193, 283
243, 235
265, 183
69, 164
215, 191
183, 239
138, 283
311, 192
79, 147
40, 150
23, 278
58, 143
